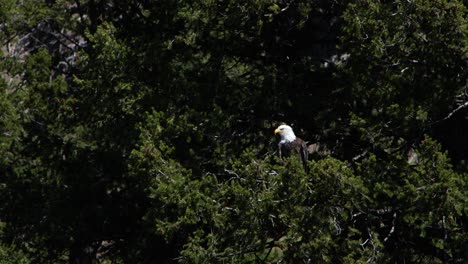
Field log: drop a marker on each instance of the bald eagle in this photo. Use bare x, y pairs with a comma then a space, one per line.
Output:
290, 144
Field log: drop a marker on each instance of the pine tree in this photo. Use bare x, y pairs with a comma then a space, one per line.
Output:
143, 132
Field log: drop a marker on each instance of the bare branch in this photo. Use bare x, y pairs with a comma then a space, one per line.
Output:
451, 113
354, 159
392, 229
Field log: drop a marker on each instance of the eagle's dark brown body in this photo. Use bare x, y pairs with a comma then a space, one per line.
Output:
295, 147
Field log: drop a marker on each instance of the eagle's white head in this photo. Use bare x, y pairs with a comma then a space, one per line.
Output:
286, 133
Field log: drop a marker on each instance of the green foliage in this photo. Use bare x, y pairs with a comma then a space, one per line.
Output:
143, 132
9, 255
410, 193
9, 129
407, 61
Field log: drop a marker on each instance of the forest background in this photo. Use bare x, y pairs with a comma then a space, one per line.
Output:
142, 131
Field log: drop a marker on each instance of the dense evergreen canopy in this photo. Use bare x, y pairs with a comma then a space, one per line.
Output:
142, 131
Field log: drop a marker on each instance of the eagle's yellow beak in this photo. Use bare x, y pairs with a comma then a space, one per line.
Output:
277, 131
